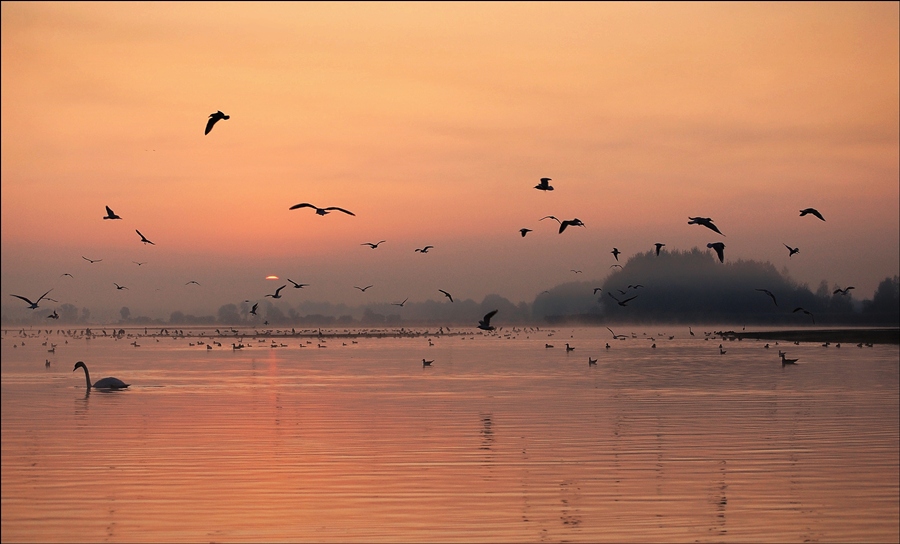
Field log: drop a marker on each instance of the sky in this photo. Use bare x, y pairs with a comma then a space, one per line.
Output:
433, 122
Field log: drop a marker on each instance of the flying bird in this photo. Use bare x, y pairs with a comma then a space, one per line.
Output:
119, 287
720, 250
597, 289
192, 281
485, 323
321, 211
277, 292
616, 336
812, 211
576, 271
424, 249
621, 302
213, 119
253, 309
31, 305
144, 238
706, 222
139, 264
363, 289
635, 286
843, 291
766, 291
105, 383
524, 232
804, 310
573, 222
67, 274
615, 253
373, 246
110, 214
54, 315
615, 265
791, 250
658, 247
298, 285
446, 294
544, 185
400, 303
550, 217
92, 261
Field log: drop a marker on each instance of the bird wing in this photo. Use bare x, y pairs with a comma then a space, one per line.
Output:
612, 296
279, 289
23, 298
563, 225
42, 296
303, 205
341, 210
209, 124
109, 212
623, 302
798, 309
488, 316
550, 217
446, 294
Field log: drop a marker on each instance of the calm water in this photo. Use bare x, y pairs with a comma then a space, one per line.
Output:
501, 439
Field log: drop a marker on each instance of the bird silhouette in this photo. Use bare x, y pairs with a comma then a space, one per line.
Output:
253, 309
550, 217
110, 214
31, 305
615, 253
544, 185
621, 302
193, 281
592, 362
67, 274
615, 265
804, 310
524, 232
321, 211
485, 323
139, 264
104, 383
635, 286
371, 245
400, 303
597, 289
766, 291
812, 211
576, 271
792, 250
119, 287
92, 261
843, 291
427, 363
363, 289
423, 249
446, 294
54, 315
573, 222
615, 336
785, 360
720, 250
706, 222
277, 292
298, 285
658, 247
213, 119
144, 238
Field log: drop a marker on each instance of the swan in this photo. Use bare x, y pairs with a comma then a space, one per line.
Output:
104, 383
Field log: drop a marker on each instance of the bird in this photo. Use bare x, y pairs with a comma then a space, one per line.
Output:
720, 250
635, 286
427, 363
592, 362
575, 271
54, 315
213, 119
804, 310
812, 211
597, 289
615, 336
400, 303
110, 214
573, 222
569, 348
144, 238
615, 253
615, 265
423, 249
792, 250
32, 305
92, 261
253, 309
766, 291
104, 383
690, 330
524, 232
371, 245
446, 294
321, 211
785, 360
621, 302
277, 292
67, 274
843, 291
363, 289
550, 217
485, 323
658, 247
544, 185
721, 351
298, 285
119, 287
193, 281
706, 222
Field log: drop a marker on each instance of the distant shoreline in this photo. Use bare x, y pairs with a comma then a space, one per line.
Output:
848, 336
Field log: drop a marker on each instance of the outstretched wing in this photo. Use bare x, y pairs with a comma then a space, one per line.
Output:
213, 117
23, 298
340, 210
109, 212
303, 205
488, 316
446, 294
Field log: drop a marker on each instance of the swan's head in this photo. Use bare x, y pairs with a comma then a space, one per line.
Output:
79, 364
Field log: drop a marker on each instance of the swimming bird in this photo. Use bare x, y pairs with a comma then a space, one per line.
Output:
363, 289
706, 222
144, 238
550, 217
720, 250
119, 287
446, 294
427, 363
371, 245
277, 292
92, 261
110, 214
658, 247
569, 348
524, 232
193, 281
785, 360
592, 362
721, 351
104, 383
804, 310
400, 303
54, 315
766, 291
32, 305
544, 185
843, 291
298, 285
253, 309
812, 211
792, 250
615, 253
621, 302
423, 249
485, 323
213, 119
321, 211
573, 222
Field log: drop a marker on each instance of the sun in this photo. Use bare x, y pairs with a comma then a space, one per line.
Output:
271, 277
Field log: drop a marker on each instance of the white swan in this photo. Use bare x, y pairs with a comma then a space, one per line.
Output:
105, 383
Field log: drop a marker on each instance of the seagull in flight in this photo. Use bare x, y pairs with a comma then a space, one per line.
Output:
92, 261
67, 274
119, 287
298, 285
720, 250
573, 222
321, 211
277, 292
843, 291
766, 291
144, 238
524, 232
424, 249
139, 264
213, 119
31, 305
363, 289
575, 271
812, 211
706, 222
485, 323
553, 217
615, 253
616, 336
253, 309
615, 265
792, 250
111, 214
54, 315
400, 303
597, 289
446, 294
622, 302
373, 246
658, 247
804, 310
544, 185
192, 281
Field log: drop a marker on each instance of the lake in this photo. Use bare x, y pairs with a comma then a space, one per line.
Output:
352, 439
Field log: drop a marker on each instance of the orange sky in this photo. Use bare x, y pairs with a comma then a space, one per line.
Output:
432, 122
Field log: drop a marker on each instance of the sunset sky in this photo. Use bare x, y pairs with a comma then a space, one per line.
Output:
433, 122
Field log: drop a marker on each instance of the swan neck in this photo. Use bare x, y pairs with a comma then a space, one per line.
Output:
87, 376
